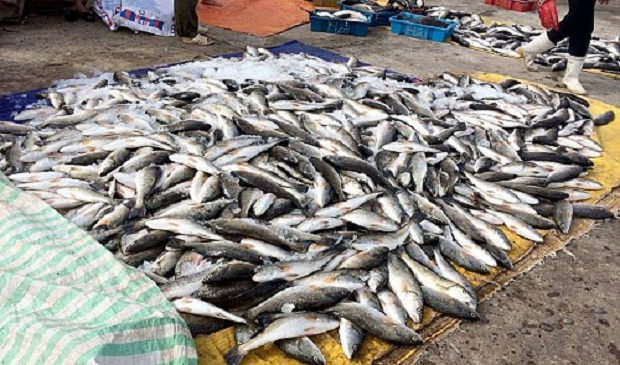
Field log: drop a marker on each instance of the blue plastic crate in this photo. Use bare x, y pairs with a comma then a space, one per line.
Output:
337, 26
421, 31
377, 19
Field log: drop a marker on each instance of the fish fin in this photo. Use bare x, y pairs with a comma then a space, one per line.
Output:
333, 242
128, 228
97, 185
250, 314
309, 208
234, 356
137, 212
264, 319
499, 255
103, 227
129, 203
365, 151
417, 217
176, 243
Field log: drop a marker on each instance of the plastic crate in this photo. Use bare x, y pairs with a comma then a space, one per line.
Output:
377, 19
421, 31
337, 26
516, 5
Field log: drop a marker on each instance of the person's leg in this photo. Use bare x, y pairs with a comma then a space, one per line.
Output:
566, 24
186, 18
79, 6
581, 31
578, 44
530, 51
549, 39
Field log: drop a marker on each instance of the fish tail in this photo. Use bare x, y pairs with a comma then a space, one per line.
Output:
103, 227
234, 356
138, 211
332, 241
176, 243
128, 228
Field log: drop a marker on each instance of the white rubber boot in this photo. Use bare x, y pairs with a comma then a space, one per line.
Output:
537, 46
571, 77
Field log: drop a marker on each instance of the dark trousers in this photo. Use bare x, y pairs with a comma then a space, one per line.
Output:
577, 25
186, 18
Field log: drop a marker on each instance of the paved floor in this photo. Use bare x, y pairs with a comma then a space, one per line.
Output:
566, 311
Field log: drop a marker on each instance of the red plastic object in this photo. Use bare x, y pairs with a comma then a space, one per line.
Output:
516, 5
548, 14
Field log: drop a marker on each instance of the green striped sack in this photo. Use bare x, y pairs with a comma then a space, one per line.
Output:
65, 299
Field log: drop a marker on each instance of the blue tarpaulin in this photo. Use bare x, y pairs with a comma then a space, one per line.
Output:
12, 104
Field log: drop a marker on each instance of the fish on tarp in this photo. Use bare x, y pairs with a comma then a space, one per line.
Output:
316, 197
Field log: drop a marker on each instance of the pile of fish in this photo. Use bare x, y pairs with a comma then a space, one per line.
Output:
350, 15
312, 196
391, 5
505, 39
368, 7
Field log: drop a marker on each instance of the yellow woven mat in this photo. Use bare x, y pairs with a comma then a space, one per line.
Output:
525, 254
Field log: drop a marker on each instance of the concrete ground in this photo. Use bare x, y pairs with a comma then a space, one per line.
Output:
566, 311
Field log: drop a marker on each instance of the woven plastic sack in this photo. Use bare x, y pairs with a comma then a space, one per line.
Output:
548, 14
66, 300
151, 16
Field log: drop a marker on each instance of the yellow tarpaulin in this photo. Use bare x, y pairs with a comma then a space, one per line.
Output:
525, 254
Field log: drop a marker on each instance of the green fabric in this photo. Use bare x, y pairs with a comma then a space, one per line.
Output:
64, 299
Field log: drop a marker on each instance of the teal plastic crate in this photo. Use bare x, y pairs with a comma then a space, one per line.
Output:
377, 19
400, 25
337, 26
